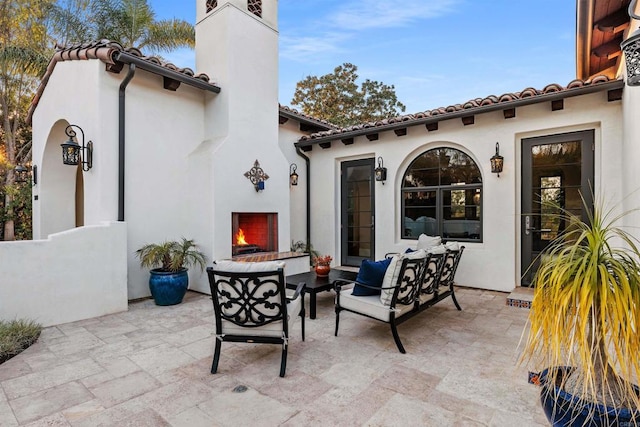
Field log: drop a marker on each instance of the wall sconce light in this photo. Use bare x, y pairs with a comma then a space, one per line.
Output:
631, 49
73, 153
257, 176
497, 161
293, 176
381, 171
21, 174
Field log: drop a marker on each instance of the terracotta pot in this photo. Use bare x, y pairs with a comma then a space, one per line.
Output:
322, 270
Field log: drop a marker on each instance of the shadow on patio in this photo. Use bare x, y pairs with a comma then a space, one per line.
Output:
150, 366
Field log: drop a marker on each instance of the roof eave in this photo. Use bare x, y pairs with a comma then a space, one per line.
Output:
568, 93
314, 123
146, 65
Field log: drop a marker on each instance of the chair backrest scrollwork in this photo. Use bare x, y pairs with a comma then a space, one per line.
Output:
409, 280
248, 299
451, 261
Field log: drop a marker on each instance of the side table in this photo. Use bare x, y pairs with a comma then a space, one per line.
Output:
315, 284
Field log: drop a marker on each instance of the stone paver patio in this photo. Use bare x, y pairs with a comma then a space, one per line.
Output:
151, 366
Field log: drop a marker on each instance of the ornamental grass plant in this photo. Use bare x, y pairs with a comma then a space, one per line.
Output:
16, 336
585, 312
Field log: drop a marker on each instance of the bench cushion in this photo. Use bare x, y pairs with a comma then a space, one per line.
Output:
370, 306
425, 242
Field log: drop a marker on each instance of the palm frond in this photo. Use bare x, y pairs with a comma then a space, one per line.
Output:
28, 60
168, 35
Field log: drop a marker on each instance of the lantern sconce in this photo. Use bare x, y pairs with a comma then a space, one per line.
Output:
73, 153
497, 161
293, 176
631, 49
257, 176
21, 174
381, 171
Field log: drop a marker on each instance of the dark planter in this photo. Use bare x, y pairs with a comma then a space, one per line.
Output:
168, 288
563, 409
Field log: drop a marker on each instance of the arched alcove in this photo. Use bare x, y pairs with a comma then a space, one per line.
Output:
58, 195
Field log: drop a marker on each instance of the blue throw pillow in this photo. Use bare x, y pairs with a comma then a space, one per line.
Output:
371, 273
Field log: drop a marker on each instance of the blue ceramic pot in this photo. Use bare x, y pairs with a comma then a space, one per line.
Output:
563, 409
167, 287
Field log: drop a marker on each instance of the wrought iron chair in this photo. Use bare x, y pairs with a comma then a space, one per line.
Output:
251, 305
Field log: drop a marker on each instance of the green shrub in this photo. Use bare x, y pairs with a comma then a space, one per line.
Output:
16, 336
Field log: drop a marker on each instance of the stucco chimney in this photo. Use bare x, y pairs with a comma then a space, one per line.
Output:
237, 46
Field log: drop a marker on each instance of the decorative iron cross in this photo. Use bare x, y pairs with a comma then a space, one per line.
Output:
257, 176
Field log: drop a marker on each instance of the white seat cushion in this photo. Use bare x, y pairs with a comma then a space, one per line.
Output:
248, 267
370, 306
273, 329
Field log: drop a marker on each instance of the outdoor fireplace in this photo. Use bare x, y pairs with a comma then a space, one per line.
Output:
254, 232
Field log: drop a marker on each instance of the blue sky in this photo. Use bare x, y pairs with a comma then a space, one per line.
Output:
435, 52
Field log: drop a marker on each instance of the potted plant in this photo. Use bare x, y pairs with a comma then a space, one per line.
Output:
301, 247
322, 265
169, 262
584, 323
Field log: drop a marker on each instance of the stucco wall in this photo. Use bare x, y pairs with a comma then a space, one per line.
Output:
77, 93
72, 275
164, 133
494, 263
163, 136
288, 132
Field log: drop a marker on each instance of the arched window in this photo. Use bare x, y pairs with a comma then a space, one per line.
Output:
441, 196
255, 7
211, 4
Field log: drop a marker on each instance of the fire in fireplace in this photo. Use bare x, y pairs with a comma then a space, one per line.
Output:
254, 232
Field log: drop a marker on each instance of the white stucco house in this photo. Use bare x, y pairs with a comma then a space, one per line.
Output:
171, 151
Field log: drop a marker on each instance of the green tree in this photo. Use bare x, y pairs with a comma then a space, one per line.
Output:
132, 23
23, 40
337, 98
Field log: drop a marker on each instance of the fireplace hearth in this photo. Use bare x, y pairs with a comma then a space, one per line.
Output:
254, 232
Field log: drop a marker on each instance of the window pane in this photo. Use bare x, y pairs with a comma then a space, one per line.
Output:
461, 214
431, 206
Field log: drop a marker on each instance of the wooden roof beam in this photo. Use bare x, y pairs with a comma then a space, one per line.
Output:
608, 50
615, 23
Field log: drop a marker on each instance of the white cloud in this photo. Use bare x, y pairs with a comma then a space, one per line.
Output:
366, 14
309, 47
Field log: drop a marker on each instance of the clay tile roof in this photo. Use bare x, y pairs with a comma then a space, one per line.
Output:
528, 95
305, 118
108, 52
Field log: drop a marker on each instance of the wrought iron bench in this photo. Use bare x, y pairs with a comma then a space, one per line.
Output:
420, 284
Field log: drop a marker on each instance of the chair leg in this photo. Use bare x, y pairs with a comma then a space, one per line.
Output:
396, 337
455, 301
216, 356
302, 316
337, 320
283, 362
